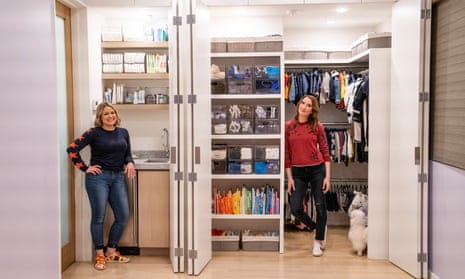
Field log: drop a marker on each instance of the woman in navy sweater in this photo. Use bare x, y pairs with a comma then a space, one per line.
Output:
110, 161
307, 164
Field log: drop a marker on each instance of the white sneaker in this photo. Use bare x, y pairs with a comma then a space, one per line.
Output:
317, 249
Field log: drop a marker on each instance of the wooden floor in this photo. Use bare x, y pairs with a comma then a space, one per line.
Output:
338, 261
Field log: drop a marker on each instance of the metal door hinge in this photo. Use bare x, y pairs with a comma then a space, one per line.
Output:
177, 20
422, 257
425, 13
192, 99
192, 177
192, 254
422, 178
177, 99
178, 252
190, 19
423, 97
178, 176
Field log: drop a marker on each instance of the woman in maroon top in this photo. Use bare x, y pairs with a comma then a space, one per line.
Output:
307, 164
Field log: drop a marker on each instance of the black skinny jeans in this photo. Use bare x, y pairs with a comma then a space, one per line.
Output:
304, 177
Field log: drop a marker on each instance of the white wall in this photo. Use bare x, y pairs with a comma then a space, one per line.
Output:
29, 192
447, 244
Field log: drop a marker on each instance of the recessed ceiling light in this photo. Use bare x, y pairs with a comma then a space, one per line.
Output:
330, 21
342, 10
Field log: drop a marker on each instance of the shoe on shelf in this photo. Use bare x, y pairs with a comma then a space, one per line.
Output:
317, 249
116, 258
100, 262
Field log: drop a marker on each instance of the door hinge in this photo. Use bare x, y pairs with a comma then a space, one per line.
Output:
178, 176
423, 97
192, 177
177, 20
422, 257
425, 13
192, 254
190, 19
177, 99
192, 99
178, 252
422, 178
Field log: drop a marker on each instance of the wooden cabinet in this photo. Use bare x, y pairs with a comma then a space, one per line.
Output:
154, 209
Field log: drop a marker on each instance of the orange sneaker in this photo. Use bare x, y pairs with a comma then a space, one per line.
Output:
116, 258
100, 262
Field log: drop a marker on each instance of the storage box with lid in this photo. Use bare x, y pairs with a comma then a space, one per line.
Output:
240, 159
219, 119
267, 79
266, 159
240, 119
219, 158
239, 79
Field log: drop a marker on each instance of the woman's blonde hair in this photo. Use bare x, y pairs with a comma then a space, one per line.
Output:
99, 113
313, 117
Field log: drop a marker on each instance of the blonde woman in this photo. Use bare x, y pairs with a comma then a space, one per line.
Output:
110, 161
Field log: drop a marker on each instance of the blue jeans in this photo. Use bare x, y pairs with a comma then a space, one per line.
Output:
109, 186
304, 177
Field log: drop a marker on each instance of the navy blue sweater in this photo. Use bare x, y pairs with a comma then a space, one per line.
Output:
109, 149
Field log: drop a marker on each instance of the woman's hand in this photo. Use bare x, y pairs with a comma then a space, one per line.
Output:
326, 185
130, 170
95, 169
290, 185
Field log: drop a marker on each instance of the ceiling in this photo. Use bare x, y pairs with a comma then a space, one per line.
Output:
360, 13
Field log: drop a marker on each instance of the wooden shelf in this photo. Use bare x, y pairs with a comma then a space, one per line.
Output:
134, 45
136, 76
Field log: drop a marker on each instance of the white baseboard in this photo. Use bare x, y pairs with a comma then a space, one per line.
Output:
432, 276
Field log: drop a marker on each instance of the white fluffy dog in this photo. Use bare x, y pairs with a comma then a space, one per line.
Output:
358, 232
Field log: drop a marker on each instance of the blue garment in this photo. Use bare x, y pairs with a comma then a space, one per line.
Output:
292, 93
107, 186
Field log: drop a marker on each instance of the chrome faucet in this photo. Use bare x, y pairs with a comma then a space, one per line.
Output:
166, 145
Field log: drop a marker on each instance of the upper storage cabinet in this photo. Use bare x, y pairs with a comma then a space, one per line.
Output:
134, 62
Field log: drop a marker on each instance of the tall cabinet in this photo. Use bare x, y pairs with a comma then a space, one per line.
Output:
247, 98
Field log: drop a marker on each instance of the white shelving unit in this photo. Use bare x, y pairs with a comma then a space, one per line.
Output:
153, 83
226, 180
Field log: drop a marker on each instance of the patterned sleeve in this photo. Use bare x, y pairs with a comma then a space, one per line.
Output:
76, 146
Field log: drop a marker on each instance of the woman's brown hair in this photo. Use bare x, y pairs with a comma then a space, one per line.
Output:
313, 117
99, 113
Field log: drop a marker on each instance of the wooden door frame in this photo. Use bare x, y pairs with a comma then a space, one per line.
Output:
68, 251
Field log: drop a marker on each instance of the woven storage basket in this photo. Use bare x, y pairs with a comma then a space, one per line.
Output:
313, 54
241, 45
260, 243
273, 43
225, 243
293, 54
218, 45
339, 55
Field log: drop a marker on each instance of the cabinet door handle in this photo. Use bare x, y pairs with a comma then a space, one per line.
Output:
197, 155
